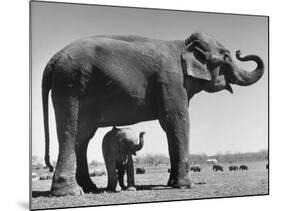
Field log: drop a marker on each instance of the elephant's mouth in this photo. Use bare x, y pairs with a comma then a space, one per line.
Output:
229, 88
229, 73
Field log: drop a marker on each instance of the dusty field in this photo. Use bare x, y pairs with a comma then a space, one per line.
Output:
151, 187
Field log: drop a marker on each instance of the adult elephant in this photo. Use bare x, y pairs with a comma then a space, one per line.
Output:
118, 146
102, 81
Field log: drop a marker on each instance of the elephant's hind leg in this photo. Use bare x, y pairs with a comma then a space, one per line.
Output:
112, 177
66, 111
85, 133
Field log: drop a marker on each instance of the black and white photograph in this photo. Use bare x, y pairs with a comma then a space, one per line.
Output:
136, 105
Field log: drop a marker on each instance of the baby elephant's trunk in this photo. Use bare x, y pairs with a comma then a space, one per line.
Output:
140, 145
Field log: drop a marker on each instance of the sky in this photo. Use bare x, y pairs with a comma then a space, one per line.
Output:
220, 122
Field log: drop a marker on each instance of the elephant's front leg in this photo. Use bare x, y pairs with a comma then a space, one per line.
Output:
174, 119
112, 177
177, 130
130, 174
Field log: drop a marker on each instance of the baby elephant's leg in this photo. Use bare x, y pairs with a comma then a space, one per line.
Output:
112, 177
130, 175
121, 172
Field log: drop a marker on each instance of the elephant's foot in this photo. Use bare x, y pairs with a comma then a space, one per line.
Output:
87, 185
182, 183
172, 180
118, 188
115, 189
63, 186
90, 188
132, 188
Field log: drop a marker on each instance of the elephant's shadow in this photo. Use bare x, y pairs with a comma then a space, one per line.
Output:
152, 187
36, 194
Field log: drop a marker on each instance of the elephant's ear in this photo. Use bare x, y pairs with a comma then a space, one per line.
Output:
194, 67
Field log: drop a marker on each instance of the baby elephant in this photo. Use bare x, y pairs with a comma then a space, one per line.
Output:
118, 146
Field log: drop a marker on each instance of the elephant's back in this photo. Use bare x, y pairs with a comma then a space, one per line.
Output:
92, 63
110, 44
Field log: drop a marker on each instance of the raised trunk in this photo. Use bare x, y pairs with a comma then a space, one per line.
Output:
245, 78
140, 145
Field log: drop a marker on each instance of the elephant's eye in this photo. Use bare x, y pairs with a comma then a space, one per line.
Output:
222, 51
226, 54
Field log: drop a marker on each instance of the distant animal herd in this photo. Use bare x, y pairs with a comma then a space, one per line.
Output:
194, 168
219, 167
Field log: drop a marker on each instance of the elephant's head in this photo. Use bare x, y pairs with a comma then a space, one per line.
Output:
129, 143
206, 59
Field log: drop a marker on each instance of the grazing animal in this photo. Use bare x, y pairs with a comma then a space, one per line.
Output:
217, 167
195, 168
45, 177
140, 171
243, 167
233, 168
100, 81
118, 146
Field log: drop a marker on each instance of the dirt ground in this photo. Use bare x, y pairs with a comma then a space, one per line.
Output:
151, 187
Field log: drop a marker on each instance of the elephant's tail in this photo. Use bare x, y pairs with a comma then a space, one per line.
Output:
46, 87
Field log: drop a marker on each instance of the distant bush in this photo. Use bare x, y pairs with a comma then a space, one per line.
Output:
95, 163
97, 172
152, 159
37, 166
157, 159
242, 157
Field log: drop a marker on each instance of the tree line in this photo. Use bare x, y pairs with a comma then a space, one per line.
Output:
152, 159
158, 159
